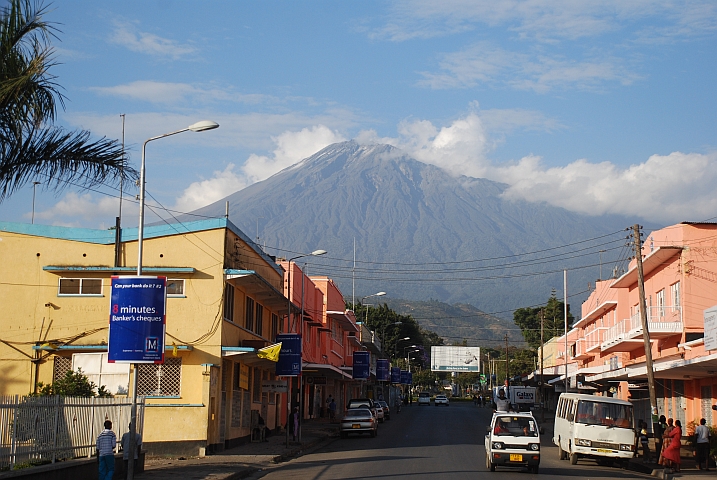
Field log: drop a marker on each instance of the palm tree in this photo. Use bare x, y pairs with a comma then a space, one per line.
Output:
31, 147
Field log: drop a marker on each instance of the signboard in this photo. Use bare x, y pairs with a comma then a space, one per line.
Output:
243, 376
362, 363
395, 374
382, 370
137, 319
710, 316
409, 380
404, 377
274, 386
455, 359
289, 364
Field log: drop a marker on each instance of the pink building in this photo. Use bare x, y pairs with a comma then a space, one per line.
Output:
680, 272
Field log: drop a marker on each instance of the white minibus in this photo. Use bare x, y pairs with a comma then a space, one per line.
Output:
595, 427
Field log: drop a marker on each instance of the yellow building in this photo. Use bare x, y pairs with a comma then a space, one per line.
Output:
224, 301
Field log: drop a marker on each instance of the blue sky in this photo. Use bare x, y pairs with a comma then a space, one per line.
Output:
598, 107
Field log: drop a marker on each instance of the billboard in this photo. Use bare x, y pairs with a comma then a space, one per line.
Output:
395, 374
455, 359
710, 316
362, 363
137, 319
289, 364
404, 377
382, 370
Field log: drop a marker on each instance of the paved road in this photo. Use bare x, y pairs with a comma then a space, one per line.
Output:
427, 443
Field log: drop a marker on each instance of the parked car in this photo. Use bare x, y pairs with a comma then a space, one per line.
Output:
513, 440
424, 398
386, 409
358, 420
440, 400
363, 403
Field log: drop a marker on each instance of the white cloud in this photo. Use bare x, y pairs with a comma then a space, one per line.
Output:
669, 188
170, 93
204, 192
487, 64
129, 36
80, 209
291, 147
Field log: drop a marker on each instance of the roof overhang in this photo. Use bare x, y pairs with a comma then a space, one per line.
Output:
117, 270
651, 262
258, 288
49, 347
329, 371
344, 320
247, 355
674, 368
597, 312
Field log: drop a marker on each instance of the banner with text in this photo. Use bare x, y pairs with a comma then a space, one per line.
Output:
289, 364
137, 319
395, 374
382, 370
362, 363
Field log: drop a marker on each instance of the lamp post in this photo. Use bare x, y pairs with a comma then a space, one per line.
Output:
291, 328
34, 187
196, 127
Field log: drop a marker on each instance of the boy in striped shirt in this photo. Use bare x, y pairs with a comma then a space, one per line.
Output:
106, 443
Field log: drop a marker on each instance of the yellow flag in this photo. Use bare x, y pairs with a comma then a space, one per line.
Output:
270, 353
174, 349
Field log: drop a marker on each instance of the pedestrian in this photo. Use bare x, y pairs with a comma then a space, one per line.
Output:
666, 439
332, 411
106, 443
475, 399
501, 403
482, 401
672, 451
295, 421
703, 445
644, 442
125, 449
660, 430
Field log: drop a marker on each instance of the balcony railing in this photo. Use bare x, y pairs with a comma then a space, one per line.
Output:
581, 349
594, 338
661, 322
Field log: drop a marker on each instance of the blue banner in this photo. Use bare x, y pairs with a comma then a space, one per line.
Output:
137, 319
289, 364
382, 370
362, 363
395, 374
404, 377
410, 378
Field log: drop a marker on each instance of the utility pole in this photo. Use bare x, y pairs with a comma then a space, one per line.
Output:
645, 331
507, 377
542, 348
565, 313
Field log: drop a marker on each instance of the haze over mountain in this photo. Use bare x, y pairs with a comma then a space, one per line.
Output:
419, 232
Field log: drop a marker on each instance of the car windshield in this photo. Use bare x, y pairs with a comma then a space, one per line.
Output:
508, 425
442, 397
358, 412
423, 394
603, 413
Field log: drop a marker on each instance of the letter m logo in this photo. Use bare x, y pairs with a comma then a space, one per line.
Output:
152, 344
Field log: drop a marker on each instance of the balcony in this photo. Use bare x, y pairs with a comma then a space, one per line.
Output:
594, 338
626, 335
581, 352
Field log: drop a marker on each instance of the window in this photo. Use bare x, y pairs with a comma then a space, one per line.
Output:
175, 287
661, 303
80, 286
259, 324
229, 302
256, 387
675, 294
249, 318
274, 326
160, 380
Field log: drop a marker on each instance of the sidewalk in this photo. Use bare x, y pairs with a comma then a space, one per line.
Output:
241, 461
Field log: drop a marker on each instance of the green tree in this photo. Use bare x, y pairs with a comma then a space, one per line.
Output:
31, 147
528, 319
73, 384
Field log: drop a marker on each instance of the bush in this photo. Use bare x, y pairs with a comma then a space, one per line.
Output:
73, 384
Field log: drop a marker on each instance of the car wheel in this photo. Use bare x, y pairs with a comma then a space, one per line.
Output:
573, 459
374, 433
536, 469
561, 452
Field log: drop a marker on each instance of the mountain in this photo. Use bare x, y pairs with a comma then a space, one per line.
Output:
419, 232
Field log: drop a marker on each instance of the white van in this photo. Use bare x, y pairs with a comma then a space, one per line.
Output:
595, 427
513, 440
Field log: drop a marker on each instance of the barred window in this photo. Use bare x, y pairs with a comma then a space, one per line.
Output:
80, 286
249, 319
60, 367
160, 380
229, 302
175, 287
259, 325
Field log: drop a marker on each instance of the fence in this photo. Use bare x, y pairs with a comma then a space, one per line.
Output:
38, 430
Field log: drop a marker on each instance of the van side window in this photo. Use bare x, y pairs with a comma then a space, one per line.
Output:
571, 415
559, 409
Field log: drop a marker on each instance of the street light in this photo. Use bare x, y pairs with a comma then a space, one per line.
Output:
291, 328
196, 127
34, 186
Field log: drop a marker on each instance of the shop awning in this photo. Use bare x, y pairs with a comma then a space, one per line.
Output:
344, 320
673, 368
261, 290
323, 369
654, 260
248, 356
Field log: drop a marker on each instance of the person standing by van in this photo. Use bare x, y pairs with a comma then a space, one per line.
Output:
703, 445
502, 404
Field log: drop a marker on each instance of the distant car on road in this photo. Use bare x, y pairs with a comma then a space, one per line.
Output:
424, 398
363, 403
358, 420
440, 400
386, 409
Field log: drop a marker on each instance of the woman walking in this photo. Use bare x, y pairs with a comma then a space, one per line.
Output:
671, 453
665, 441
